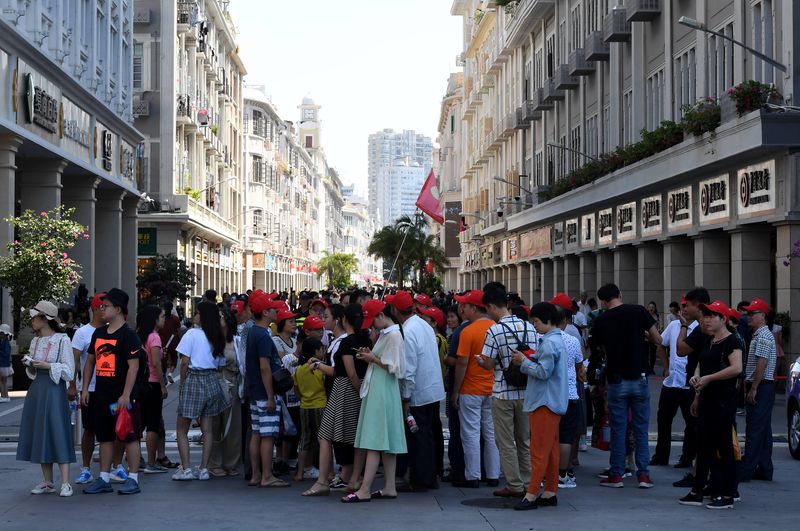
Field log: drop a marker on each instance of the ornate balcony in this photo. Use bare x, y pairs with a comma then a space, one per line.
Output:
538, 101
521, 123
531, 113
565, 81
596, 48
642, 10
551, 93
616, 27
578, 65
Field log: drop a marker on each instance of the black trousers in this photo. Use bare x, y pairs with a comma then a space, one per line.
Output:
715, 425
672, 399
422, 454
455, 450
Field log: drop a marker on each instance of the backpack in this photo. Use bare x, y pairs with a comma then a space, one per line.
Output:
512, 374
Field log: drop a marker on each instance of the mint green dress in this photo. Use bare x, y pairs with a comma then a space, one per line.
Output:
380, 422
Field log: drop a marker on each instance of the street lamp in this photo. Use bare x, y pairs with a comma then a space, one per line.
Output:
513, 184
565, 148
215, 185
699, 26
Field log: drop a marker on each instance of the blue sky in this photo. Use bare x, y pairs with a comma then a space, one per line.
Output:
370, 64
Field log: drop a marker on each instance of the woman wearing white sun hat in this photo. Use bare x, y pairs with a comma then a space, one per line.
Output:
45, 434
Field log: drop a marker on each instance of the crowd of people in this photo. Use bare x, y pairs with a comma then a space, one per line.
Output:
329, 387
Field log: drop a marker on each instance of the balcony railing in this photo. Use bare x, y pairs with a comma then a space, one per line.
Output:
642, 10
538, 101
596, 48
551, 93
183, 108
564, 81
509, 123
521, 123
531, 113
578, 65
185, 10
616, 27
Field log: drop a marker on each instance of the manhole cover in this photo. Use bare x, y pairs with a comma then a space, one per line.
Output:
491, 503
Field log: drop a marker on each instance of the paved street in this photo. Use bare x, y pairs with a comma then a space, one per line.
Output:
229, 503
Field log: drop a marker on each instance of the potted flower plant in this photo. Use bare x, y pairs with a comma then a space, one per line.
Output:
752, 95
701, 117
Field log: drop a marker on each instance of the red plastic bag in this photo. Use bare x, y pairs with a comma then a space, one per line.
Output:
124, 427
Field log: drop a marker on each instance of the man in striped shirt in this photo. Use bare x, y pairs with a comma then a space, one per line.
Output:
760, 386
511, 425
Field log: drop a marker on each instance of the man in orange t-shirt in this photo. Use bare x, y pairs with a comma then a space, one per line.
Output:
472, 395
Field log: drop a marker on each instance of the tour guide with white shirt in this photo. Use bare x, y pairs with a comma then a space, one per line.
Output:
421, 389
675, 394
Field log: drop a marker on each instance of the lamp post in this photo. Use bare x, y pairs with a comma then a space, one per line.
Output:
499, 179
215, 185
699, 26
566, 148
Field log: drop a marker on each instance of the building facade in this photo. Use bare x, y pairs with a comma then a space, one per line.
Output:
397, 187
385, 148
358, 230
66, 131
549, 85
281, 197
188, 86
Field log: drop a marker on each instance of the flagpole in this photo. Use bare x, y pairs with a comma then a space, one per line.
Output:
400, 250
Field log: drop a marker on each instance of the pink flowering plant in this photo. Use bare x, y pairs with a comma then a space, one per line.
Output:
38, 265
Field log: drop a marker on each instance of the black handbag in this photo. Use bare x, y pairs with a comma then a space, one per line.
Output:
281, 381
512, 374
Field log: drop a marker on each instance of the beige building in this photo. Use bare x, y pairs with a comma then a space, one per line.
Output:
550, 85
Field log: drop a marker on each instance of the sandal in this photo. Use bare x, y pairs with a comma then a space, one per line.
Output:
379, 495
166, 463
274, 483
353, 498
254, 482
314, 491
218, 472
232, 472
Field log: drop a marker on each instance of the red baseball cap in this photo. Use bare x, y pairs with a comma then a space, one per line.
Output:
371, 308
683, 300
313, 322
757, 305
474, 297
97, 301
733, 314
562, 300
423, 299
262, 302
401, 300
237, 307
285, 314
319, 301
434, 313
718, 307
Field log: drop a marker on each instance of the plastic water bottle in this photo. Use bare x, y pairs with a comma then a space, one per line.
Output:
412, 423
73, 408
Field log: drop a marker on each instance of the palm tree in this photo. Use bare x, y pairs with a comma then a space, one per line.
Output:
385, 244
339, 268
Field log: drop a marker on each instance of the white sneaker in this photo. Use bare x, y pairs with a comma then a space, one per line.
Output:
5, 399
311, 473
66, 490
183, 474
202, 474
195, 472
566, 482
43, 488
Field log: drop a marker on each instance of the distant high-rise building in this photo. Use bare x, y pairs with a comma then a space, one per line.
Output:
397, 188
385, 148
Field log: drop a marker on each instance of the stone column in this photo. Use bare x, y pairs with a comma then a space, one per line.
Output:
588, 274
712, 264
513, 279
548, 282
787, 279
626, 272
678, 264
108, 236
524, 281
604, 268
751, 264
130, 252
572, 275
536, 282
651, 275
40, 184
9, 144
558, 274
79, 193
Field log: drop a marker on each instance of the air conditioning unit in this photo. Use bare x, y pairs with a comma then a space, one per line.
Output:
141, 108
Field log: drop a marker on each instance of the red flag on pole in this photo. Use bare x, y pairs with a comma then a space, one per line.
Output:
428, 200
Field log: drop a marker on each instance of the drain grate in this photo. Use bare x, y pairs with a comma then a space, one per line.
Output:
491, 503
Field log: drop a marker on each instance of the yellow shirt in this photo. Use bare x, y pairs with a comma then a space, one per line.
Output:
310, 386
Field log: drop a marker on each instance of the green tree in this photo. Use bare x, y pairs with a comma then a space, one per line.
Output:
38, 266
167, 278
338, 267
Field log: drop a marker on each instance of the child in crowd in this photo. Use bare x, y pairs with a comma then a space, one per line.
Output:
310, 386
